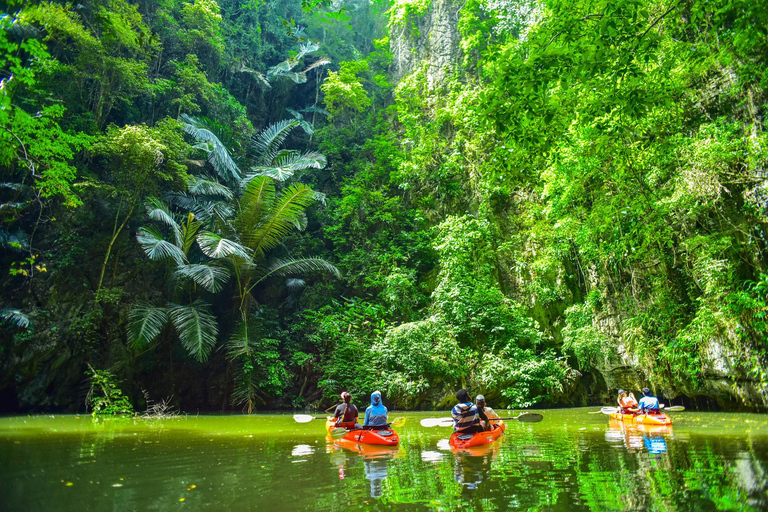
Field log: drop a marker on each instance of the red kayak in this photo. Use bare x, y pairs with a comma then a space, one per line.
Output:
387, 437
459, 440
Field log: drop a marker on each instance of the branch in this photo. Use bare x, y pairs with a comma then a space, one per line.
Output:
660, 18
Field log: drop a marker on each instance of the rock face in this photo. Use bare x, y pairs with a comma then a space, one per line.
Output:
431, 39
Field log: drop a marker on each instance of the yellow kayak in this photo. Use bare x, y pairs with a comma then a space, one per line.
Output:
643, 419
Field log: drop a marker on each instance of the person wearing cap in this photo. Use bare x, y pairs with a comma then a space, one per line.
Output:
648, 403
346, 413
465, 416
626, 401
486, 413
376, 413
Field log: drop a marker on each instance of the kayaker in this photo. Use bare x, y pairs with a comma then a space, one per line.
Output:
346, 413
626, 401
648, 403
376, 413
465, 417
485, 413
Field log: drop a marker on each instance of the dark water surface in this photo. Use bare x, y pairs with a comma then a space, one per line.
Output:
570, 461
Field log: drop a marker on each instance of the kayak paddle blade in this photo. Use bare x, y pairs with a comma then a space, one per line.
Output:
338, 432
437, 422
530, 417
303, 418
397, 422
674, 408
609, 410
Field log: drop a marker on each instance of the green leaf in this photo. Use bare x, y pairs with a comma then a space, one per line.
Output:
157, 248
145, 323
210, 277
196, 327
217, 247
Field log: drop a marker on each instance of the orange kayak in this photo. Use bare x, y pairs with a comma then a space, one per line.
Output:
386, 437
459, 440
643, 419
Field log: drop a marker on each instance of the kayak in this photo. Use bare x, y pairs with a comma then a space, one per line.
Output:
387, 437
643, 419
459, 440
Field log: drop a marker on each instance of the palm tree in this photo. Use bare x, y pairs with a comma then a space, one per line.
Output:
208, 241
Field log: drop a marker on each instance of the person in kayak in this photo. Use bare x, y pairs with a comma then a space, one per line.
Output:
376, 413
648, 403
465, 417
346, 413
485, 413
626, 401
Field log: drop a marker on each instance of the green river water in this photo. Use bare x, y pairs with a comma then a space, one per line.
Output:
570, 461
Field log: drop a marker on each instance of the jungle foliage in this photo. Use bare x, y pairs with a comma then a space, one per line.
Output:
232, 203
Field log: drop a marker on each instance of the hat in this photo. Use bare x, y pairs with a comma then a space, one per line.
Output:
621, 391
480, 398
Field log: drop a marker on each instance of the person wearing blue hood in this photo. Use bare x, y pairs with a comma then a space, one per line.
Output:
376, 413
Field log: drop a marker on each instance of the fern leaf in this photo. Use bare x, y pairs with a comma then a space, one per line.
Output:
203, 187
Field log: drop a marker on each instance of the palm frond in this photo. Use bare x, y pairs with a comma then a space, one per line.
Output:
283, 216
287, 162
320, 197
260, 78
210, 277
217, 247
306, 48
281, 68
196, 327
218, 154
156, 247
316, 109
189, 233
244, 338
267, 142
296, 115
320, 62
302, 222
160, 211
145, 323
293, 266
297, 77
295, 283
258, 194
204, 187
308, 129
15, 317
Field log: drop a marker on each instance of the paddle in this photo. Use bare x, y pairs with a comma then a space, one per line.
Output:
306, 418
526, 417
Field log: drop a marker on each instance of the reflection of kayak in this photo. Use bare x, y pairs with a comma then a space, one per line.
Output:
643, 419
386, 437
366, 450
459, 440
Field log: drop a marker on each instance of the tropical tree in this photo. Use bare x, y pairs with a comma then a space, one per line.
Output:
208, 243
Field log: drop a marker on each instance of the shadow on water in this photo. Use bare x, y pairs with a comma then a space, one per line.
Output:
570, 461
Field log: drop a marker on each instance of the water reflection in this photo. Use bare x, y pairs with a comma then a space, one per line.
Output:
637, 438
345, 454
